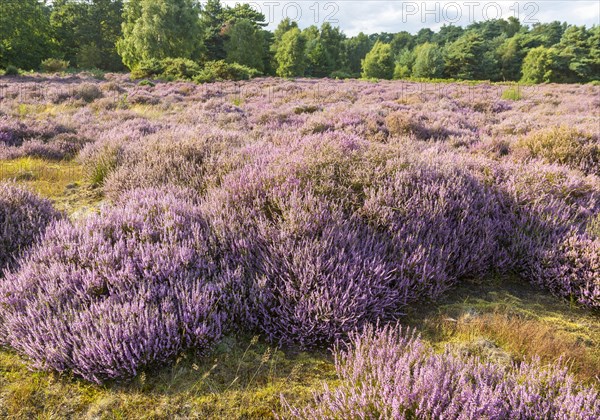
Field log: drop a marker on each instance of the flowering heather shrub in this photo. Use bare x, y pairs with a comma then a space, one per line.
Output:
63, 146
23, 219
540, 208
330, 242
88, 92
572, 269
387, 373
99, 161
186, 157
402, 124
106, 153
310, 274
564, 145
14, 132
466, 214
129, 288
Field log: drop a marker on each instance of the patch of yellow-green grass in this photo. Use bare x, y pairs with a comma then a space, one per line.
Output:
519, 319
61, 182
153, 112
43, 110
243, 378
512, 94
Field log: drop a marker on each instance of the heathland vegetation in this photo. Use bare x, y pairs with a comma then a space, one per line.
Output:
309, 213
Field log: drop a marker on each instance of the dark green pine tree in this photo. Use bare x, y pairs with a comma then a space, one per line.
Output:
212, 18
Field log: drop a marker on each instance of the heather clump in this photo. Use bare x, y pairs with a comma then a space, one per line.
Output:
564, 145
23, 219
467, 216
88, 92
545, 212
311, 274
138, 284
15, 131
104, 155
331, 241
390, 373
62, 146
572, 269
425, 127
99, 162
188, 158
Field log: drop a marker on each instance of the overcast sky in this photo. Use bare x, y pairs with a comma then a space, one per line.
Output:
393, 16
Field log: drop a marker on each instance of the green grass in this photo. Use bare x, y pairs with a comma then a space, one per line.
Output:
512, 94
62, 182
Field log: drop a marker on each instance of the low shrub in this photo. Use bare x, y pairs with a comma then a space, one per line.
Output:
193, 160
406, 124
147, 69
572, 269
94, 73
54, 65
512, 94
11, 71
216, 71
63, 146
88, 92
104, 160
169, 69
340, 74
593, 226
179, 69
105, 154
387, 373
309, 274
332, 241
23, 219
14, 132
146, 83
126, 289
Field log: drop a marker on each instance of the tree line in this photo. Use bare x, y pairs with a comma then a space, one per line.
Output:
116, 35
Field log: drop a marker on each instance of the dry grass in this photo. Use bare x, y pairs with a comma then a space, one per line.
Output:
521, 320
564, 145
527, 337
242, 379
